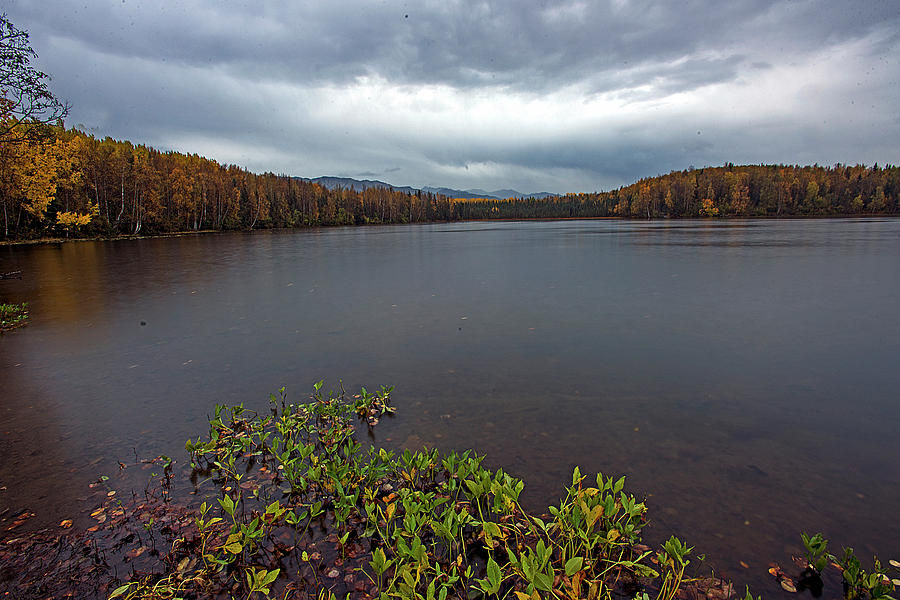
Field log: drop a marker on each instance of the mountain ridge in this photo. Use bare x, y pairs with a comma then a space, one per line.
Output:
364, 184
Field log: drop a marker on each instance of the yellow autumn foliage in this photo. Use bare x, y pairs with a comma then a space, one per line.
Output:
73, 220
33, 172
708, 208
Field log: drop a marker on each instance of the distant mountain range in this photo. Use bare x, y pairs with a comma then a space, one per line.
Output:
363, 184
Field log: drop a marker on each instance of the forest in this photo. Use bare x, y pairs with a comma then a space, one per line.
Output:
68, 183
59, 182
726, 191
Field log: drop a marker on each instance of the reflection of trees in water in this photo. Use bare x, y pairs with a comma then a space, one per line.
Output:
69, 279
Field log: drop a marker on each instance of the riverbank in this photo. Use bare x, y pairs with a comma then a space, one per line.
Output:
60, 240
176, 234
288, 504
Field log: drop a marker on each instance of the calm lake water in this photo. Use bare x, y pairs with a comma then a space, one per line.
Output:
743, 374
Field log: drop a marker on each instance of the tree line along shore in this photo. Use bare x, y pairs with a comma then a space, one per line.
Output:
64, 183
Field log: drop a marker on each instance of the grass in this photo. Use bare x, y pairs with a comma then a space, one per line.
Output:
13, 315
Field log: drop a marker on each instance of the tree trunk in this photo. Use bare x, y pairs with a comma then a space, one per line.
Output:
122, 209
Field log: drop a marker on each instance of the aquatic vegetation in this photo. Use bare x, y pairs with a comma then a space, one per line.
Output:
13, 315
302, 509
857, 582
289, 504
673, 558
816, 554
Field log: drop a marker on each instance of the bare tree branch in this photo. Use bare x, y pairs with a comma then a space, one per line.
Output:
24, 95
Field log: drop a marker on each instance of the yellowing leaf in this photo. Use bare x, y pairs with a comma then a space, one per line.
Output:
788, 585
120, 590
233, 548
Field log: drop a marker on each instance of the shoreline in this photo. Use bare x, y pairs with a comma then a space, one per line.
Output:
175, 234
290, 501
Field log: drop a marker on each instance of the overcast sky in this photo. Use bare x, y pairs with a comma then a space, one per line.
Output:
537, 96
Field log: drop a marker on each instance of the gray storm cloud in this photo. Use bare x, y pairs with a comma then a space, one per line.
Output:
562, 96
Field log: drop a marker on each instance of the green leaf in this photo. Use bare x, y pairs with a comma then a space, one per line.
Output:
643, 570
543, 582
573, 565
512, 558
120, 590
493, 572
270, 577
228, 504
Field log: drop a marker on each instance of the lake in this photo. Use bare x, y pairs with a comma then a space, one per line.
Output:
744, 374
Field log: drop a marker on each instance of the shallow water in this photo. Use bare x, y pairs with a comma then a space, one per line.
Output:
744, 374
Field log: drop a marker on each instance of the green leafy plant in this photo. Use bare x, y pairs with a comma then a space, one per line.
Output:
415, 525
816, 551
859, 583
673, 560
13, 315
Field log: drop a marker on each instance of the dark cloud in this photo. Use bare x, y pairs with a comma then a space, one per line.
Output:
533, 46
622, 87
